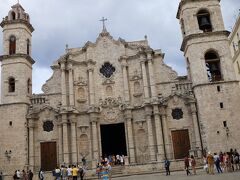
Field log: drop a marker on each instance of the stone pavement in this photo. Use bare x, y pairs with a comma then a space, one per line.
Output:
182, 176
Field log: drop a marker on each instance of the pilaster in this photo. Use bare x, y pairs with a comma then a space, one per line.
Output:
144, 75
66, 157
128, 120
73, 138
151, 147
63, 84
70, 81
159, 134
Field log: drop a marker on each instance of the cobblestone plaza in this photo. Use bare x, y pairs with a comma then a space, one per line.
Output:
182, 176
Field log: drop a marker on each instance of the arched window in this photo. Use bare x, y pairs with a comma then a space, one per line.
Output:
28, 46
13, 15
213, 66
11, 84
204, 21
12, 45
29, 86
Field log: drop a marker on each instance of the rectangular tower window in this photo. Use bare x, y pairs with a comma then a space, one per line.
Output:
10, 123
218, 88
224, 123
221, 105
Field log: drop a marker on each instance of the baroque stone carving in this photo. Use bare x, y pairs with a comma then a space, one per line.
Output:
110, 102
110, 108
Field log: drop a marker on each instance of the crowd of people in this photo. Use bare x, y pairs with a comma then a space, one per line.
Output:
72, 172
212, 163
222, 162
113, 159
23, 175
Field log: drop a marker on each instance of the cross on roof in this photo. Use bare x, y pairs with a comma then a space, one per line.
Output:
103, 21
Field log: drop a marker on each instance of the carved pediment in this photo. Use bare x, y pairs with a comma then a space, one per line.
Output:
110, 102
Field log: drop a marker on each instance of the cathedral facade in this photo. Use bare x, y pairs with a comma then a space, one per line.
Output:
118, 97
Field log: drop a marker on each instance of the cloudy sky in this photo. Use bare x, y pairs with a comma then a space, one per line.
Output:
74, 22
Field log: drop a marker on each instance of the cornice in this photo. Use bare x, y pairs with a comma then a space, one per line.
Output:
14, 56
202, 35
17, 21
215, 82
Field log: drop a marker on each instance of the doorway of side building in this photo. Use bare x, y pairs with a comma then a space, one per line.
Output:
181, 143
48, 156
113, 139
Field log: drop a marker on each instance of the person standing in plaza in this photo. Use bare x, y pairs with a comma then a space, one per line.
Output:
167, 166
57, 173
30, 175
75, 172
217, 162
210, 161
186, 165
193, 164
69, 172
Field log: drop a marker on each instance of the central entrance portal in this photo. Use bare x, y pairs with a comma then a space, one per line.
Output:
113, 139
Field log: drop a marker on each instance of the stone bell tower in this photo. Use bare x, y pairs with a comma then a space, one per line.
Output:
16, 61
16, 89
206, 49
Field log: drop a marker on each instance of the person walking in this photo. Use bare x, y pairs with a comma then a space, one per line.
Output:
186, 165
193, 164
217, 162
40, 174
167, 166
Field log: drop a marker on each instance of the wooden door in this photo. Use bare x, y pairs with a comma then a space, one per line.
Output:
48, 156
181, 143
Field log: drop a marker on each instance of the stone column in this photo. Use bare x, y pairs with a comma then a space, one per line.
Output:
151, 147
166, 137
60, 143
74, 139
70, 81
93, 119
151, 75
63, 85
31, 144
65, 139
125, 78
132, 155
196, 129
144, 75
91, 86
159, 134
